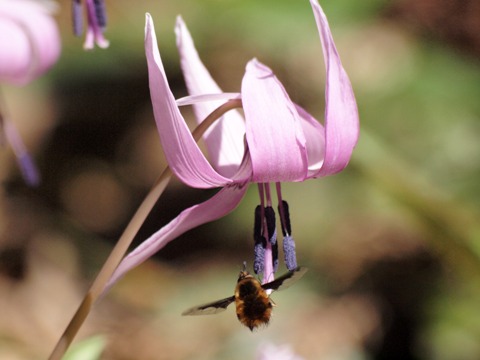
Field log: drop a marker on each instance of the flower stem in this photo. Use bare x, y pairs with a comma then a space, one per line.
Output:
121, 247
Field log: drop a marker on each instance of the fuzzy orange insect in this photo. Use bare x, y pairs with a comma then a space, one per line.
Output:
253, 303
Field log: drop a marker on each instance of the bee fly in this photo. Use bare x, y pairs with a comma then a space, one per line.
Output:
254, 306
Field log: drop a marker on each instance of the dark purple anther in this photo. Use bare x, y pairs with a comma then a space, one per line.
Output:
270, 219
260, 242
274, 243
77, 17
272, 233
257, 223
285, 219
100, 13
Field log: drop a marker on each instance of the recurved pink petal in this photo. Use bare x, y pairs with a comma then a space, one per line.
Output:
182, 153
341, 114
29, 41
216, 207
275, 138
224, 140
315, 139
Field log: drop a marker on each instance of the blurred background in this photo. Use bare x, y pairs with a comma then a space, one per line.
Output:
392, 243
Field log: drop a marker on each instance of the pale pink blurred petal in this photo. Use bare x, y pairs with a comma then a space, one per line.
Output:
29, 41
270, 351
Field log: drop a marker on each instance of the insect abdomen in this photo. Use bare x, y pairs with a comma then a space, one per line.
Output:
253, 304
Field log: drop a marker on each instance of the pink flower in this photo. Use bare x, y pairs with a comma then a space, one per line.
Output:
276, 142
29, 41
96, 22
29, 46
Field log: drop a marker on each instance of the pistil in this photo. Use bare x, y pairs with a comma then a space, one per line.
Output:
96, 22
265, 234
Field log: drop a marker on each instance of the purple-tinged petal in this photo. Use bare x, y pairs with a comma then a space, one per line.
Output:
315, 140
224, 140
182, 153
29, 41
341, 114
274, 132
216, 207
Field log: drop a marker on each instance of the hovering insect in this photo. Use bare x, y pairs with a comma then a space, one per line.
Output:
254, 306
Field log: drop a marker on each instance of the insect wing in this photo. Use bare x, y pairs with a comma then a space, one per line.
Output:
286, 280
210, 308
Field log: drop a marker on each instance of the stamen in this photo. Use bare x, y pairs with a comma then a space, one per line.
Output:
29, 169
2, 130
261, 193
267, 194
259, 256
289, 252
77, 17
96, 22
260, 242
272, 234
265, 236
10, 134
270, 222
100, 13
285, 218
288, 242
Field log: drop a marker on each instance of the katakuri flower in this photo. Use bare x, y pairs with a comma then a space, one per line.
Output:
29, 40
29, 46
96, 22
277, 142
